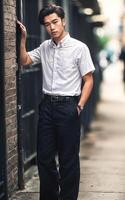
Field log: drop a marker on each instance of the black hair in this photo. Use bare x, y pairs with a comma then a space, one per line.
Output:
50, 9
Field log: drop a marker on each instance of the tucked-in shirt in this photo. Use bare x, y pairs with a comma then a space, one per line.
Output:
63, 65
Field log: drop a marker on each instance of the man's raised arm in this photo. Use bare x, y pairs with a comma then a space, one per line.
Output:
24, 56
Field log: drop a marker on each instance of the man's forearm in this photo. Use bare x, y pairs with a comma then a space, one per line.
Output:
24, 56
23, 52
86, 90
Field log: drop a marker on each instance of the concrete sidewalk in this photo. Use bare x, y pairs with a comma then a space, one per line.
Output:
102, 153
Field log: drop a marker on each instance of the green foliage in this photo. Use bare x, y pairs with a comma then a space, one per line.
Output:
102, 41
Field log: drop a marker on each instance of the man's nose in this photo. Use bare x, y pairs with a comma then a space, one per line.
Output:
52, 26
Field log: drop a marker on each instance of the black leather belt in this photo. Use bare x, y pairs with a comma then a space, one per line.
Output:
56, 98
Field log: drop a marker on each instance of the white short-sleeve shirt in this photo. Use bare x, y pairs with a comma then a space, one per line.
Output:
63, 65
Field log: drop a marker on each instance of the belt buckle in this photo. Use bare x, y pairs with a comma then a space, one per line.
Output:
54, 98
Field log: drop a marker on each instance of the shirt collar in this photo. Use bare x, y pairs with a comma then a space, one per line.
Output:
61, 43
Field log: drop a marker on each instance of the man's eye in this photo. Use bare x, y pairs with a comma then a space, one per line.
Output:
55, 22
46, 25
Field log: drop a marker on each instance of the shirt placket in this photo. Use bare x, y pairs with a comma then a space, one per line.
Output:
54, 76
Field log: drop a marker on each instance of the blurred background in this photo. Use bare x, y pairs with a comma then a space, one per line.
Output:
98, 23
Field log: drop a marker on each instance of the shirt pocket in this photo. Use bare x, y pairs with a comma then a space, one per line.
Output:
66, 64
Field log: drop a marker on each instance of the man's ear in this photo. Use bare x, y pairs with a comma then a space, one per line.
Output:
63, 21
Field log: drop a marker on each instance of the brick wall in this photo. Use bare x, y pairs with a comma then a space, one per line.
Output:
10, 91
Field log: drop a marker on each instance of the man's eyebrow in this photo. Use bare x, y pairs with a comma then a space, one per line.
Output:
54, 20
51, 21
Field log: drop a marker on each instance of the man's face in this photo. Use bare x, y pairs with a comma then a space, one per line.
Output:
54, 26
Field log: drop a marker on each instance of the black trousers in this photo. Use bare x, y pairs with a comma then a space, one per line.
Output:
58, 134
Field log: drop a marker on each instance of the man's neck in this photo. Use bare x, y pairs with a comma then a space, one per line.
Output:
59, 39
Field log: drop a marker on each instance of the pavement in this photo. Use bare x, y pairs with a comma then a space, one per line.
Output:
102, 152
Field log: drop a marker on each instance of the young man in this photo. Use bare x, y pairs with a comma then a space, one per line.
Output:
65, 62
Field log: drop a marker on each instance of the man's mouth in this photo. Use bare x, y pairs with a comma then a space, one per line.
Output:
55, 32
